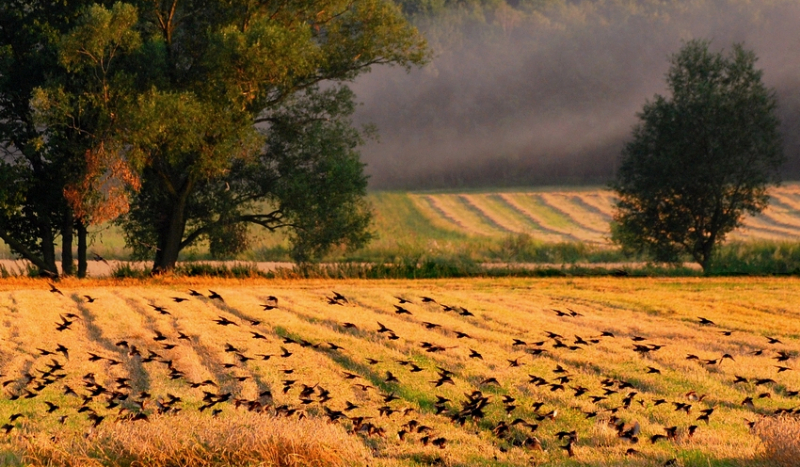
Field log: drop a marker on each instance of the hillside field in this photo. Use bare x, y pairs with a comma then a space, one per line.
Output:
452, 222
551, 215
557, 372
476, 224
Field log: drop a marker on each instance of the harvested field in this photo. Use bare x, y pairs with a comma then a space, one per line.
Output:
489, 369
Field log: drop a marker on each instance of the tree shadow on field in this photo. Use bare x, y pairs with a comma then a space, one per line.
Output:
214, 365
422, 400
140, 380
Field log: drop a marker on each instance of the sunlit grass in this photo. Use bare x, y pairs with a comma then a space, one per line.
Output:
663, 311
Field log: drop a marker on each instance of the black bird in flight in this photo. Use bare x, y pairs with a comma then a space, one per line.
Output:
160, 309
782, 356
222, 321
272, 300
63, 350
159, 336
215, 296
99, 258
64, 324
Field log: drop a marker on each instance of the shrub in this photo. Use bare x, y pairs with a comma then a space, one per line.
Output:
129, 271
239, 271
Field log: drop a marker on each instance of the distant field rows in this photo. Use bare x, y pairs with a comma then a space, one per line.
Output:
557, 216
446, 221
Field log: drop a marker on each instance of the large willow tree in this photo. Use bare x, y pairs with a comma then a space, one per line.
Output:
199, 117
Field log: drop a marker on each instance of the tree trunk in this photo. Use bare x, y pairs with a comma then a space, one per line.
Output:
708, 252
48, 248
82, 264
169, 238
19, 248
66, 243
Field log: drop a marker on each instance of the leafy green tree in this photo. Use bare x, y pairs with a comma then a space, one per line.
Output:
34, 168
700, 159
77, 110
232, 112
218, 114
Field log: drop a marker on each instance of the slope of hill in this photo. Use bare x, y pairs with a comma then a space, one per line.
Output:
478, 224
496, 372
558, 215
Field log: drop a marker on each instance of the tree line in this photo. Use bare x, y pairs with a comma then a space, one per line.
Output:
187, 120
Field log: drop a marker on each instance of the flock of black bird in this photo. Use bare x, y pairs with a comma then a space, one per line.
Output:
118, 398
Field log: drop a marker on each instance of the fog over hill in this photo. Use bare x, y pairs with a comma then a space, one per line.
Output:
550, 98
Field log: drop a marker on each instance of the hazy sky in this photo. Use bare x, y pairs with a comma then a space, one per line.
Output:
552, 100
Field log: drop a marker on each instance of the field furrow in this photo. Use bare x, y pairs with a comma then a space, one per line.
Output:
767, 225
786, 207
489, 217
778, 217
437, 213
534, 205
580, 200
398, 216
784, 201
543, 231
603, 204
586, 220
452, 208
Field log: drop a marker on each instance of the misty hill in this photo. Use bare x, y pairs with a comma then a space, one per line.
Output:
547, 92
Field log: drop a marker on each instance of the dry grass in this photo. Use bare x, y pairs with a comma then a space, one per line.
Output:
664, 311
781, 438
192, 440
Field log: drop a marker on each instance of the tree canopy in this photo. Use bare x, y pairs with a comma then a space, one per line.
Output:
700, 159
190, 119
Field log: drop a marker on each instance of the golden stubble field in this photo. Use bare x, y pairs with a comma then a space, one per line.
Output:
492, 372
